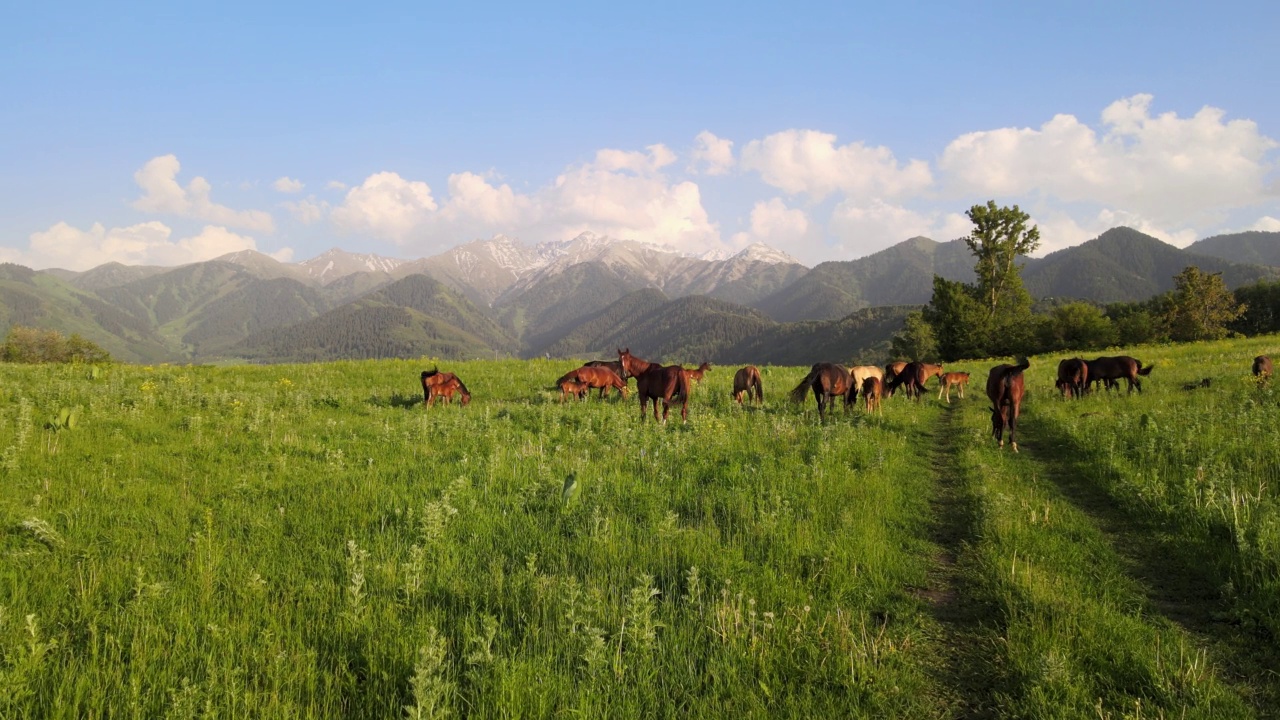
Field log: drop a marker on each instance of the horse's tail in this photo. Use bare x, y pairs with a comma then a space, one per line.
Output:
802, 389
682, 385
428, 373
759, 387
1023, 364
1145, 371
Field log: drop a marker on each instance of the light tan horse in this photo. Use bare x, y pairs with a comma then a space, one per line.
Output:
952, 379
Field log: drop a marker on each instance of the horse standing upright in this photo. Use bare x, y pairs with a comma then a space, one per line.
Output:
696, 374
600, 376
655, 382
1005, 387
873, 393
1262, 369
950, 380
828, 382
860, 373
746, 381
1073, 377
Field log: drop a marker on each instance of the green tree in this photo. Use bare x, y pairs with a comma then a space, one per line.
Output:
1076, 326
1000, 235
32, 345
916, 340
1202, 306
960, 324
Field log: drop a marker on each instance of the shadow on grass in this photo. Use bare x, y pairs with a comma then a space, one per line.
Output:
1181, 570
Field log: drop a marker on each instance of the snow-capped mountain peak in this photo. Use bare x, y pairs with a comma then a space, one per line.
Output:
759, 252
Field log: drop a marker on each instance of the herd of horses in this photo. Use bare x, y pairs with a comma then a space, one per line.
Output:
671, 384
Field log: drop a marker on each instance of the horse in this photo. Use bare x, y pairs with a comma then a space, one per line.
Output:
570, 386
1005, 387
873, 393
860, 373
828, 381
613, 365
599, 377
745, 381
914, 375
1073, 377
654, 382
891, 371
437, 384
696, 375
950, 380
1262, 369
1111, 370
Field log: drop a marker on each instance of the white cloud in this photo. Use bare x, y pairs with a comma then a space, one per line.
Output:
150, 243
387, 206
810, 162
862, 229
287, 185
472, 198
1266, 223
1173, 171
711, 155
774, 224
336, 185
163, 194
308, 211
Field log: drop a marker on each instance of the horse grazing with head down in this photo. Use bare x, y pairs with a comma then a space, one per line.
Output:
873, 393
747, 381
828, 381
1005, 387
599, 377
891, 371
436, 384
950, 380
860, 373
655, 382
1262, 369
914, 375
1073, 377
1110, 370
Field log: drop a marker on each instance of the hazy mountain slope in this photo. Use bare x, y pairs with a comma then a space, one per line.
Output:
862, 337
434, 299
481, 269
689, 330
579, 291
257, 306
592, 334
1248, 248
111, 274
1124, 265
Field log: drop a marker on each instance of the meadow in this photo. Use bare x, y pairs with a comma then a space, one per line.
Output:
310, 541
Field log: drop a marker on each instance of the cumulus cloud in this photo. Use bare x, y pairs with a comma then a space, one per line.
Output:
473, 199
307, 211
287, 185
711, 155
387, 206
162, 194
810, 162
1170, 170
150, 243
1266, 223
775, 224
336, 185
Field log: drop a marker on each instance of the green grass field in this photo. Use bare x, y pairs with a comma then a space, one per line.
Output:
310, 541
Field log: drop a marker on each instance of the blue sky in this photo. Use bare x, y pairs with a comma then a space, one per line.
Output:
169, 133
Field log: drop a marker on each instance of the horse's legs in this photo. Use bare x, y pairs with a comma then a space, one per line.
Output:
1013, 423
666, 408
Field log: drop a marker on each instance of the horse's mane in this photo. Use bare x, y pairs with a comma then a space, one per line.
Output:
428, 373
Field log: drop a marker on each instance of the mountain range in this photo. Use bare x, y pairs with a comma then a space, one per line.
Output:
582, 296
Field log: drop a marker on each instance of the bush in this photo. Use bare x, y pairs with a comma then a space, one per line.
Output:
33, 345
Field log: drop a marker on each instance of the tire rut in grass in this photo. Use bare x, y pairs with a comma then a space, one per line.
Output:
968, 624
1181, 581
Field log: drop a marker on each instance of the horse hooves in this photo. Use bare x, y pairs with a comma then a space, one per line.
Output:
1015, 446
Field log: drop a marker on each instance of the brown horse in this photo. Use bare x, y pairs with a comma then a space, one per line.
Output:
914, 376
1073, 377
860, 373
696, 375
1110, 370
1005, 387
746, 381
570, 386
654, 382
1262, 369
873, 393
891, 371
436, 384
613, 365
599, 377
828, 382
950, 380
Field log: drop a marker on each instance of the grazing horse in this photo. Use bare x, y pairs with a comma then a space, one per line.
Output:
436, 384
745, 382
1073, 377
860, 373
873, 393
891, 371
599, 377
655, 382
569, 385
828, 381
1005, 388
950, 380
696, 375
914, 375
1110, 370
613, 365
1262, 369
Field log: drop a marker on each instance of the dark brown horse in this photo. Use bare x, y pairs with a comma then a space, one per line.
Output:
655, 382
1262, 369
599, 377
913, 376
436, 384
891, 371
745, 382
613, 365
1110, 370
1073, 377
828, 381
696, 375
1005, 387
873, 393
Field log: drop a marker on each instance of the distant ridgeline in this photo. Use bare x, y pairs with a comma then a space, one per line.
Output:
586, 296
